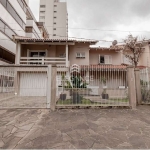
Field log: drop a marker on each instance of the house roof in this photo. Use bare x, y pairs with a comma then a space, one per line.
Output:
103, 67
106, 48
28, 39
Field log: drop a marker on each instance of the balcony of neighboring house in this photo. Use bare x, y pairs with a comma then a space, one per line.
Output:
32, 29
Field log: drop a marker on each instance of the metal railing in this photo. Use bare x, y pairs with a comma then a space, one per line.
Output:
94, 85
145, 84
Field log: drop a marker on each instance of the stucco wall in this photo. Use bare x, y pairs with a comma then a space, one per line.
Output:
94, 56
79, 48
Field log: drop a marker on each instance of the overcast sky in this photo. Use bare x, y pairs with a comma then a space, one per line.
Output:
121, 15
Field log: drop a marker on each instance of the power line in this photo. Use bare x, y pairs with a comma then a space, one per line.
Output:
108, 30
65, 36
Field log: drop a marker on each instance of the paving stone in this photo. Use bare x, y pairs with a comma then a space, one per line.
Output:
14, 130
65, 137
20, 134
89, 141
1, 143
12, 142
5, 133
74, 135
26, 127
79, 144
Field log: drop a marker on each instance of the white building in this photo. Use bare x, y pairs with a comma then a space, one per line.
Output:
54, 14
16, 18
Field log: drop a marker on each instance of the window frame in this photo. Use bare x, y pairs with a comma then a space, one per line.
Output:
82, 55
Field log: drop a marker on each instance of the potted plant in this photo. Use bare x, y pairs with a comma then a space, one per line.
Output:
63, 95
75, 85
104, 93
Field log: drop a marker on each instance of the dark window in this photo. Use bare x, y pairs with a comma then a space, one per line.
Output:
102, 59
7, 56
42, 6
55, 17
54, 34
55, 11
54, 22
55, 5
54, 28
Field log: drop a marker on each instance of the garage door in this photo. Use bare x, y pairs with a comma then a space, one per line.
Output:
33, 84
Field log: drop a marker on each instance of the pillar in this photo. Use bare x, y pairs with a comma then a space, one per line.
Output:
138, 87
131, 86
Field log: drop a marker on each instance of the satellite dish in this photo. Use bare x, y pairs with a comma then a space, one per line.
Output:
114, 42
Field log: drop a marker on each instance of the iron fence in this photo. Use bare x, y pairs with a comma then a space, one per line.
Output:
145, 84
23, 87
96, 85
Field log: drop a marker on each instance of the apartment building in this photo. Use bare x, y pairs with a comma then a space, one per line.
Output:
16, 18
54, 14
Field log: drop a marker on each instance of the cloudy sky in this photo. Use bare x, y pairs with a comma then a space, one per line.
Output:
106, 19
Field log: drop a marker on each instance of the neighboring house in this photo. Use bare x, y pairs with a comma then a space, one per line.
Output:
16, 18
54, 14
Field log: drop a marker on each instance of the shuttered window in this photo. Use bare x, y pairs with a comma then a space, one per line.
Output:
105, 59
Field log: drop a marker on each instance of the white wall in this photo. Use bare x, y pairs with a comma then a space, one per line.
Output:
18, 9
5, 15
7, 43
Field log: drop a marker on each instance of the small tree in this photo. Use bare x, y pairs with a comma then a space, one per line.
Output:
133, 49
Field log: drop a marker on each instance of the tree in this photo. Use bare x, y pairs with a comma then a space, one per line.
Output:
133, 49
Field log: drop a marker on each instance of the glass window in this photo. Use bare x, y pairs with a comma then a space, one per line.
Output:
102, 59
42, 6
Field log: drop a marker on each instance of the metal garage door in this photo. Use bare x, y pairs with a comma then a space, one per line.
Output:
33, 84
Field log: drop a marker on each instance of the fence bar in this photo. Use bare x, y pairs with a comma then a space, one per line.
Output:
138, 86
131, 84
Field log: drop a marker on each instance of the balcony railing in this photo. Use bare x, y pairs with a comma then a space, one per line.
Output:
42, 60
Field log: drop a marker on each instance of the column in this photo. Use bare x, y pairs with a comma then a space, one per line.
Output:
18, 52
67, 63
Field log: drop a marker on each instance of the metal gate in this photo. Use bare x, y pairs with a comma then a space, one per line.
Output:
23, 87
95, 85
145, 84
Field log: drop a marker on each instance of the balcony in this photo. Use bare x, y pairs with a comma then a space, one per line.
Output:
43, 61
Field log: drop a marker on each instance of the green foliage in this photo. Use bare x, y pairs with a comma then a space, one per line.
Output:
103, 80
76, 82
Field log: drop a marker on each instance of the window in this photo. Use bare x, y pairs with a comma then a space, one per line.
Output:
55, 11
55, 5
54, 28
42, 6
7, 56
37, 54
54, 34
42, 12
54, 22
80, 55
105, 59
42, 17
55, 17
